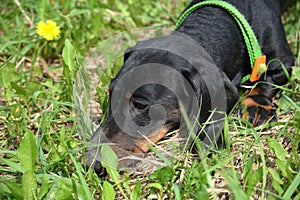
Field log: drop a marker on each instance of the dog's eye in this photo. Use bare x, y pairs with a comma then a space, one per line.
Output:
140, 105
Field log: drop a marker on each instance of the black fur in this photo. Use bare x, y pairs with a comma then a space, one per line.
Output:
220, 36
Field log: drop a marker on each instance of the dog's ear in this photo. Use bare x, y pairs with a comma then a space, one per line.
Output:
211, 119
114, 80
128, 51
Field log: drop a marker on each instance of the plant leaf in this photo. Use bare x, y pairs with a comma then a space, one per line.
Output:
297, 73
176, 192
292, 188
65, 189
283, 167
68, 55
13, 165
136, 193
85, 189
157, 186
232, 179
28, 151
29, 185
277, 187
8, 74
248, 167
108, 191
279, 151
254, 178
275, 176
15, 189
19, 90
108, 157
44, 188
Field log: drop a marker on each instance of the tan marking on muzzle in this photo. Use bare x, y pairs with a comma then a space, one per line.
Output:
141, 144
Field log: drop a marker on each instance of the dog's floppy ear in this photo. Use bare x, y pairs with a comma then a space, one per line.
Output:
211, 132
127, 54
128, 51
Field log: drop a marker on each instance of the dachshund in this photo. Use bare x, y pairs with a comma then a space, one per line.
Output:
194, 71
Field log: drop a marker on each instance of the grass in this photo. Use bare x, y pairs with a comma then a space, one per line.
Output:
41, 144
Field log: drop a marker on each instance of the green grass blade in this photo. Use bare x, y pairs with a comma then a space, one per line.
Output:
176, 191
83, 183
292, 188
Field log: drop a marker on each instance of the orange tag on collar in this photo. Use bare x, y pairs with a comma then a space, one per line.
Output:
259, 68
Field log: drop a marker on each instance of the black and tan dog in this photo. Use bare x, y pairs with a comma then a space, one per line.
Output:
219, 35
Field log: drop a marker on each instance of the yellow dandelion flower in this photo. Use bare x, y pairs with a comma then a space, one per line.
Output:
48, 30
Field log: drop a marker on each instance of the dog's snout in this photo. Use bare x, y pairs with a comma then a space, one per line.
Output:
126, 147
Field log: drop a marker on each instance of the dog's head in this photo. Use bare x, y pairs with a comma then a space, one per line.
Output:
158, 77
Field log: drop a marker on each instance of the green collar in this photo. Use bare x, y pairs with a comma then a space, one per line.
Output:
257, 59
